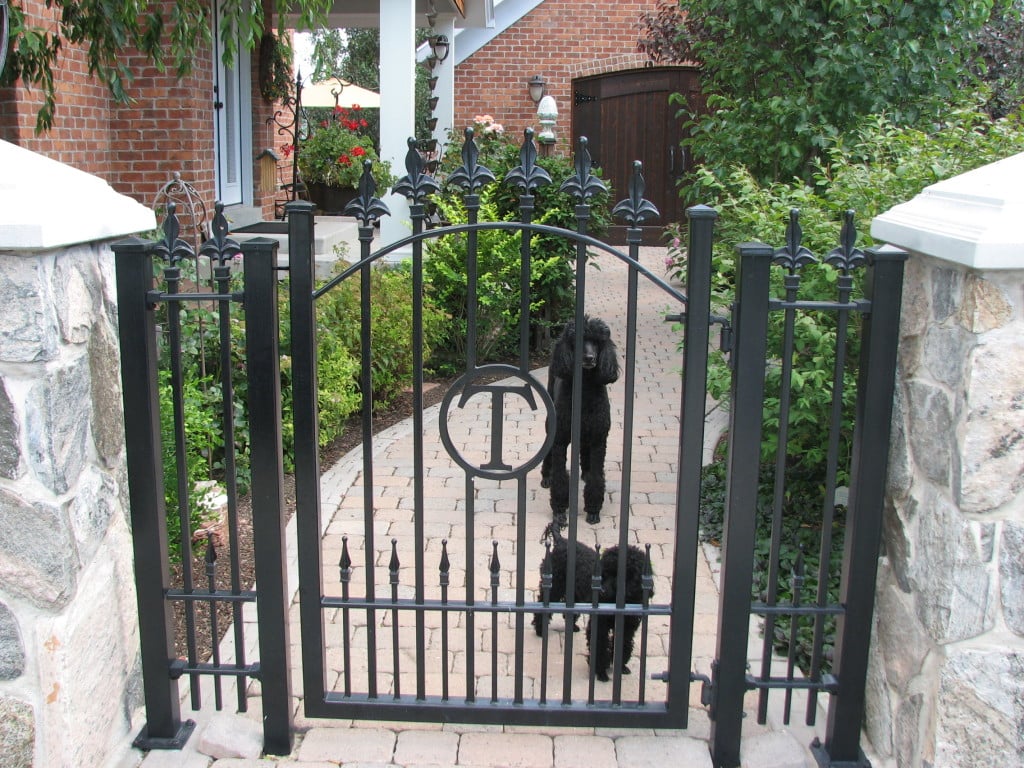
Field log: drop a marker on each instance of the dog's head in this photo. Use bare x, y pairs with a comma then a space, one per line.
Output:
598, 358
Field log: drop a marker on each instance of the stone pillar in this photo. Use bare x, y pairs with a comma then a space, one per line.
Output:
68, 626
946, 687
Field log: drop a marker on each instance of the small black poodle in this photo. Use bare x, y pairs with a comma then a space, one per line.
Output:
607, 563
600, 366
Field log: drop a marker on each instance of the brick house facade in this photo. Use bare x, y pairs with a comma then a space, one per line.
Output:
169, 126
136, 147
559, 40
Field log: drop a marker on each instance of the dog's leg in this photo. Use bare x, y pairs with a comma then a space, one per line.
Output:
630, 625
602, 655
559, 484
593, 491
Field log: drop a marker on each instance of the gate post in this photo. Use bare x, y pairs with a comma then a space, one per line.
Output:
303, 351
744, 459
691, 448
883, 286
263, 369
137, 335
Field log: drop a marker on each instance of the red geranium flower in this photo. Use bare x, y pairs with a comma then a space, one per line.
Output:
358, 151
344, 160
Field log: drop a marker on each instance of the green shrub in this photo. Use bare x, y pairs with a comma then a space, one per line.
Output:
338, 367
552, 292
874, 168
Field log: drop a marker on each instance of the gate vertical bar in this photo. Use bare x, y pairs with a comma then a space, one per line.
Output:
691, 450
884, 288
137, 334
307, 456
746, 402
264, 378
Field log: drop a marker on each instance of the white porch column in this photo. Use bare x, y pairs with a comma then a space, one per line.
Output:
445, 88
397, 106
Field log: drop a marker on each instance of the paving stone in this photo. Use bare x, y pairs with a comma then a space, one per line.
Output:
778, 749
574, 751
426, 748
506, 750
348, 745
662, 751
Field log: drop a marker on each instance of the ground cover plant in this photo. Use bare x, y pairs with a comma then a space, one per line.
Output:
868, 171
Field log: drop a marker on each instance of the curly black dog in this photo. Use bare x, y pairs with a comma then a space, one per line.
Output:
582, 593
600, 366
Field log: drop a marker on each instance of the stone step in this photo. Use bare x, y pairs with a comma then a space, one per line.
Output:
328, 232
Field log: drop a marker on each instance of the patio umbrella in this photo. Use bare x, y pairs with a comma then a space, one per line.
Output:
323, 94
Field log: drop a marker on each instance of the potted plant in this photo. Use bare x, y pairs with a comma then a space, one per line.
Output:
331, 160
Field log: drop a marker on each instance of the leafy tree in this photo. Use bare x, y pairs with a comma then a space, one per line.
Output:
1001, 44
329, 50
354, 56
783, 80
167, 34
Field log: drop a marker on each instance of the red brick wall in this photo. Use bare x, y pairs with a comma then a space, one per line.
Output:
559, 40
135, 147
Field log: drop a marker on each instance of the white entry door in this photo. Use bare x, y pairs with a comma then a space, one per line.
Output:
231, 104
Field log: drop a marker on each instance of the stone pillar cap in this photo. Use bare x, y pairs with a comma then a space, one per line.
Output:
45, 204
974, 219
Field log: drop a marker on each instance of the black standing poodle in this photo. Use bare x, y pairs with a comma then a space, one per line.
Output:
599, 366
607, 564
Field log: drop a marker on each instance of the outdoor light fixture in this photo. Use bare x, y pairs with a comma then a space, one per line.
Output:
439, 47
536, 86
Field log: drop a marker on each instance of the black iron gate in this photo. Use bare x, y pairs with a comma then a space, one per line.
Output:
451, 638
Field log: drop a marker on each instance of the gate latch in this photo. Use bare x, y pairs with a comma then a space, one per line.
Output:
706, 687
725, 337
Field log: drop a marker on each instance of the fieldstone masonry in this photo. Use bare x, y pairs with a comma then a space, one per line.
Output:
946, 685
68, 627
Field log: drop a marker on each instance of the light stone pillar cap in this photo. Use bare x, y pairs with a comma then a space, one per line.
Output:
975, 219
45, 204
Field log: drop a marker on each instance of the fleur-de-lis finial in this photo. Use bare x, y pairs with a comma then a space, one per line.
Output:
583, 185
847, 256
416, 184
220, 247
528, 175
470, 176
172, 248
366, 206
793, 256
635, 209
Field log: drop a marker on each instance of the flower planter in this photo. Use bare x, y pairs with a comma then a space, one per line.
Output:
331, 200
